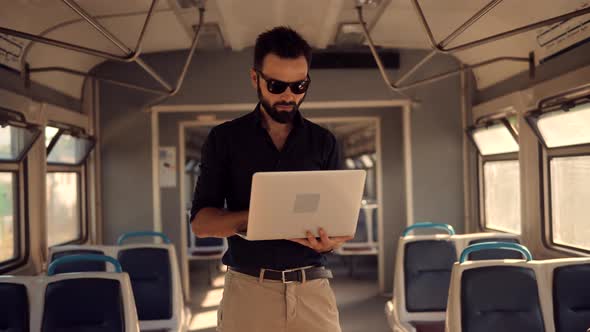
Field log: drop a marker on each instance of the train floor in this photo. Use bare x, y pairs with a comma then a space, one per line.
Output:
359, 302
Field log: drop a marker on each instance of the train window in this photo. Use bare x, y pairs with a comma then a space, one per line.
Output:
15, 141
564, 127
501, 205
499, 174
564, 130
8, 218
63, 207
68, 149
495, 138
569, 195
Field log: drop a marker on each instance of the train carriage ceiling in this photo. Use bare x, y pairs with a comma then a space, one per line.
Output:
236, 23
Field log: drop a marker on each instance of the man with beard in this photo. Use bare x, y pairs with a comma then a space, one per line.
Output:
277, 285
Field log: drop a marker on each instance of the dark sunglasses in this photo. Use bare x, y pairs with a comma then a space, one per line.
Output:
277, 87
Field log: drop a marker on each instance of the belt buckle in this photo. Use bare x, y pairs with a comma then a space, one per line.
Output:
284, 278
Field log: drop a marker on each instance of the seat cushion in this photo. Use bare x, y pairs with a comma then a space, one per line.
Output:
14, 308
83, 305
79, 266
427, 273
500, 298
571, 298
151, 279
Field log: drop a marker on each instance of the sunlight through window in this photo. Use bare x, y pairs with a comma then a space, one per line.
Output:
203, 320
212, 298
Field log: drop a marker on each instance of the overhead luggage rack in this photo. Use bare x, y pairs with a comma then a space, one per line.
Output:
441, 47
130, 56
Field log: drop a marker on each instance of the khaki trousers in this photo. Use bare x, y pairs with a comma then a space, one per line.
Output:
250, 305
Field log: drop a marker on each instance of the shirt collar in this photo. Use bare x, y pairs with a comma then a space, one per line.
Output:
298, 121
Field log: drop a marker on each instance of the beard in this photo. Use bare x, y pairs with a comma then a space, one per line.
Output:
284, 117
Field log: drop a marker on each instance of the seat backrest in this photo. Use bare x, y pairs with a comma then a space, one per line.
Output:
151, 278
79, 266
497, 294
88, 302
14, 304
155, 280
422, 274
465, 240
427, 267
500, 298
82, 266
494, 253
568, 281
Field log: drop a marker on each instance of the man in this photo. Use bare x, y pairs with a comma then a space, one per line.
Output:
274, 137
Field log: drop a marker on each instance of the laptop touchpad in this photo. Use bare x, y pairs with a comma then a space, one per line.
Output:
306, 203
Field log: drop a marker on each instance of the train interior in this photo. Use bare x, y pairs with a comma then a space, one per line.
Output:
471, 119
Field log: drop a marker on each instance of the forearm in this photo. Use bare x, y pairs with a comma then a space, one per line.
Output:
213, 222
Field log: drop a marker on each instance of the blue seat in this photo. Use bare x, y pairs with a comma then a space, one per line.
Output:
14, 307
427, 267
79, 266
494, 253
571, 298
151, 279
83, 305
500, 298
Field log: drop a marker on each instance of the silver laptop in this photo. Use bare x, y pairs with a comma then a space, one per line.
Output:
284, 205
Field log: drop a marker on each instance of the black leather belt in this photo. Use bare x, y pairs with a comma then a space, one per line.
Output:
287, 276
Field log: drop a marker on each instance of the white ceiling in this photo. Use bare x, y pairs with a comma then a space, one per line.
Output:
241, 21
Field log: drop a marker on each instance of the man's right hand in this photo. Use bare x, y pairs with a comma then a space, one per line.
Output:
213, 222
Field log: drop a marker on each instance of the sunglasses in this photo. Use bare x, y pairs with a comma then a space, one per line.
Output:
277, 87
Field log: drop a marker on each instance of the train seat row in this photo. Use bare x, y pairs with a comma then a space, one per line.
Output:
154, 274
423, 273
547, 295
90, 301
95, 296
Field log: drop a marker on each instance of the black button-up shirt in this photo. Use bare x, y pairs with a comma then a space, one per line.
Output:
237, 149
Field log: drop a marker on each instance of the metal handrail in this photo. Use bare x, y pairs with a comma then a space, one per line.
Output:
376, 56
129, 57
441, 47
495, 246
165, 94
83, 257
104, 79
465, 67
400, 89
132, 55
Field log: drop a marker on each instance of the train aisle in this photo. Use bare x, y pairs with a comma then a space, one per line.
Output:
359, 302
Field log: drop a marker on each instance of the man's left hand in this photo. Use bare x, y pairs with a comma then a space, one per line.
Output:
324, 244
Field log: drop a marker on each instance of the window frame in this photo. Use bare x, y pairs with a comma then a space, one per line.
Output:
580, 150
546, 154
14, 119
82, 173
21, 224
512, 156
78, 133
504, 120
532, 118
494, 119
